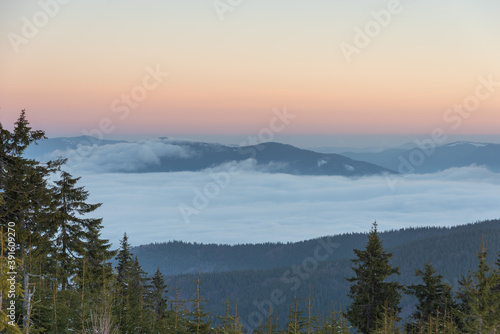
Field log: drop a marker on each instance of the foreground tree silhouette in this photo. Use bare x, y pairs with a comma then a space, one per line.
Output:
434, 297
372, 297
157, 300
72, 230
480, 307
27, 201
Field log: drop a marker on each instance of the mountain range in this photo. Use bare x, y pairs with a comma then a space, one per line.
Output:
172, 155
182, 155
434, 159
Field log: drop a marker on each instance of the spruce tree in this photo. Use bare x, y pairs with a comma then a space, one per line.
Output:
369, 289
124, 269
124, 258
131, 281
94, 280
434, 296
98, 255
231, 323
72, 231
27, 201
157, 299
334, 323
480, 301
198, 322
296, 321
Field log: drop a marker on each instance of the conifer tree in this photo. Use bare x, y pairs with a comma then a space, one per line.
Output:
369, 289
480, 303
387, 324
27, 200
335, 323
131, 281
199, 323
434, 296
94, 280
177, 323
296, 321
231, 323
311, 322
124, 270
157, 298
98, 255
124, 259
72, 231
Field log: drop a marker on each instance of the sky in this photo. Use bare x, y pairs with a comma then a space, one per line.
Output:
213, 68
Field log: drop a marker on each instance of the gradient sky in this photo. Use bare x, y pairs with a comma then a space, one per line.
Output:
227, 76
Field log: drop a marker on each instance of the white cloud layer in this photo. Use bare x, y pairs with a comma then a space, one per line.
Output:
242, 206
122, 157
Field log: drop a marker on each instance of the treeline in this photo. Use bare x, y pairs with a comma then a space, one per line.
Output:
56, 274
452, 252
176, 257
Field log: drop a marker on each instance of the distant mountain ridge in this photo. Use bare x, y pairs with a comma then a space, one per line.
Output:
435, 159
44, 148
274, 157
267, 157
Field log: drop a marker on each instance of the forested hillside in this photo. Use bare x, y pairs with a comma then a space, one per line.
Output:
452, 252
176, 257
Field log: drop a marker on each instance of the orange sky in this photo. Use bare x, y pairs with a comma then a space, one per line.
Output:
226, 76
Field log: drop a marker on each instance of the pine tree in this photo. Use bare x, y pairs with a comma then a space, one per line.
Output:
137, 298
296, 321
27, 201
178, 322
434, 296
480, 306
124, 257
98, 255
124, 269
270, 326
369, 290
311, 323
72, 230
94, 280
131, 285
231, 323
199, 324
335, 323
387, 324
157, 299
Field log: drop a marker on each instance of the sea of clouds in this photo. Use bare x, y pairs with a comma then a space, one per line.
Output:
121, 157
234, 204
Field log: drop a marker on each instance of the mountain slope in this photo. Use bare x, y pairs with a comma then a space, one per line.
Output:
45, 148
299, 267
167, 155
453, 155
176, 257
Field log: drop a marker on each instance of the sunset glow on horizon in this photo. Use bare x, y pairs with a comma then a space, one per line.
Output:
97, 60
